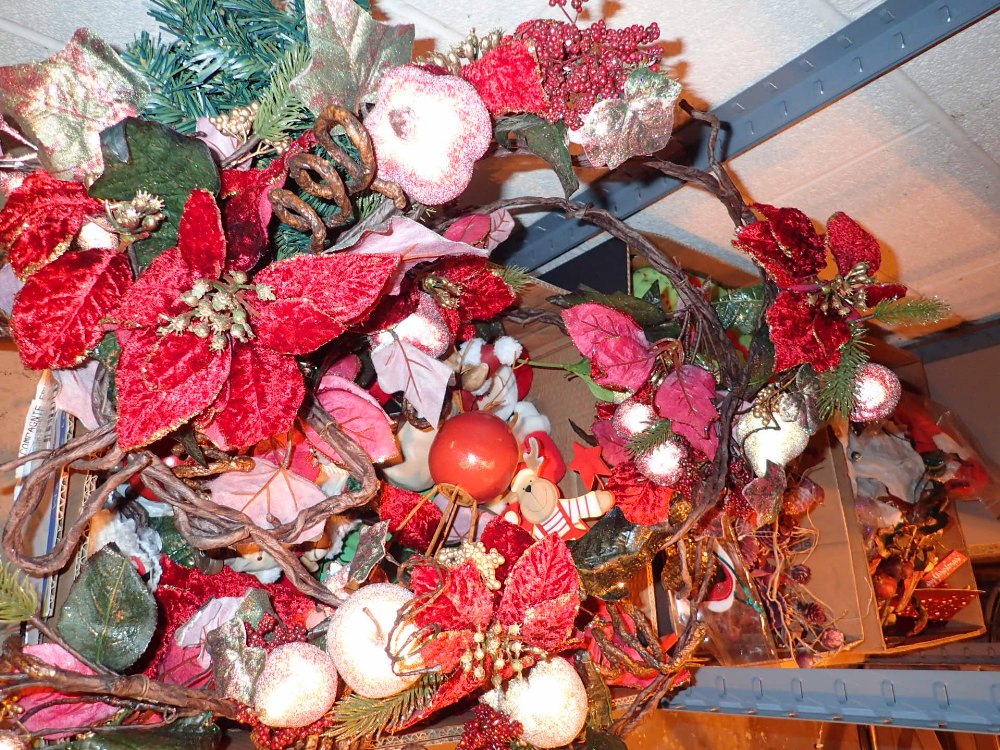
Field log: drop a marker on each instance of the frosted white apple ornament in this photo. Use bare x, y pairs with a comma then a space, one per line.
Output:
297, 686
359, 632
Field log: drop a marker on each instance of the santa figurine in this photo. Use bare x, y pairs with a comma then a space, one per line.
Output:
535, 502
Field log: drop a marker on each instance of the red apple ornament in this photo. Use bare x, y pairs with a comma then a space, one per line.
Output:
477, 452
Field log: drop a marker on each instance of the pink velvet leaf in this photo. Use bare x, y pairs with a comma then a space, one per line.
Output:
623, 363
687, 398
422, 379
359, 415
269, 494
590, 325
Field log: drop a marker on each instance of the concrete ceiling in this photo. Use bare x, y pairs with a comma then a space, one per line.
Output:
914, 156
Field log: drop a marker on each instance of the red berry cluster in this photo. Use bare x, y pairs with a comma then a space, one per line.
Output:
270, 633
580, 67
279, 738
577, 5
489, 730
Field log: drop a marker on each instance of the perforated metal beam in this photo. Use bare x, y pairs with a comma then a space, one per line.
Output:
959, 701
875, 43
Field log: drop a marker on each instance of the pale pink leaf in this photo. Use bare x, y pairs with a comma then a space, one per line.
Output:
269, 495
76, 392
422, 379
216, 612
412, 243
346, 366
359, 415
61, 716
589, 325
687, 398
275, 449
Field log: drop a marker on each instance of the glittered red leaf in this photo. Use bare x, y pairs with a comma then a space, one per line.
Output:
261, 399
486, 231
412, 243
640, 500
360, 416
541, 594
444, 651
163, 382
623, 363
687, 398
57, 315
591, 324
246, 207
317, 297
464, 604
850, 244
396, 504
508, 79
40, 219
269, 494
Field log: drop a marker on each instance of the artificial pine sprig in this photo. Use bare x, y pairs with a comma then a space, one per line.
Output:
516, 277
18, 598
836, 386
655, 435
358, 717
910, 311
282, 112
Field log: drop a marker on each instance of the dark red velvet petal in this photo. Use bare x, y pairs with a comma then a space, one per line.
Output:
163, 385
464, 604
876, 293
345, 286
484, 294
294, 326
396, 505
264, 395
508, 79
803, 334
785, 245
57, 314
537, 586
246, 208
156, 292
444, 651
40, 219
850, 244
509, 540
199, 236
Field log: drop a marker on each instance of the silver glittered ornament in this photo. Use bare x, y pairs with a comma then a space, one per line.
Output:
776, 436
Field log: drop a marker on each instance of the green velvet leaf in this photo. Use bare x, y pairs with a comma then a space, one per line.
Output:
547, 140
140, 155
644, 313
191, 733
109, 615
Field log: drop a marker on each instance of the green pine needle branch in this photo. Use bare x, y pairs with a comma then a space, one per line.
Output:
516, 277
910, 311
656, 434
18, 598
282, 111
357, 717
836, 394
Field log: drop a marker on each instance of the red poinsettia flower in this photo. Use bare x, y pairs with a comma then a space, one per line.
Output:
810, 319
198, 340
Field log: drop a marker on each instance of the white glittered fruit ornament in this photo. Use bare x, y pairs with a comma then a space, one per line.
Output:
876, 393
550, 703
297, 686
770, 437
358, 634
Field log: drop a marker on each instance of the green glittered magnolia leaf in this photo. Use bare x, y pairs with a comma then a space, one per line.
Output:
63, 103
370, 552
350, 51
190, 733
614, 550
741, 308
141, 155
235, 665
547, 140
638, 122
109, 615
642, 312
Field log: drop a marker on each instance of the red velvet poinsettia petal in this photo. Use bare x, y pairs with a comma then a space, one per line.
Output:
57, 314
640, 500
464, 604
508, 79
785, 244
457, 687
200, 237
803, 334
509, 539
850, 244
484, 294
396, 505
40, 219
264, 395
163, 385
344, 288
444, 651
538, 585
876, 293
246, 207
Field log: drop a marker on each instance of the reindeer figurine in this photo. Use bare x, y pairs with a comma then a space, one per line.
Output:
536, 504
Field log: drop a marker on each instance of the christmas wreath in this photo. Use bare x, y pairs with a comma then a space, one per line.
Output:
326, 507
